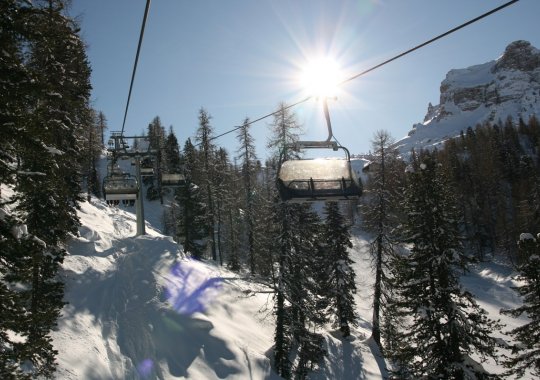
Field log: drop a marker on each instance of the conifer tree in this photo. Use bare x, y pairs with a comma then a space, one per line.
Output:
102, 126
381, 217
15, 81
248, 158
13, 260
171, 152
526, 352
44, 109
224, 188
191, 221
204, 138
297, 242
340, 285
439, 340
284, 133
263, 230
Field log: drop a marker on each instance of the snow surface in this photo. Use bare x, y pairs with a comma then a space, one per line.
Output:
138, 309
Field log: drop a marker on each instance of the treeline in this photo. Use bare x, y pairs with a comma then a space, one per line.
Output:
46, 147
432, 217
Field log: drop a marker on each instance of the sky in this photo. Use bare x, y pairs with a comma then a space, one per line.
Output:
239, 59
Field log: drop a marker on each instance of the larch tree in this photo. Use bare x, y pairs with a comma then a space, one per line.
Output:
380, 209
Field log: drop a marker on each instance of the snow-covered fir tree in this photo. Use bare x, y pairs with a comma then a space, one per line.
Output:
204, 138
445, 330
526, 352
248, 159
297, 350
191, 229
53, 81
339, 284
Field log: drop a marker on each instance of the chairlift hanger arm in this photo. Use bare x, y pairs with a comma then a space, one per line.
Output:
328, 144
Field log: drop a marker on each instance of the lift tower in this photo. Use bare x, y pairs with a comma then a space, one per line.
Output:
120, 186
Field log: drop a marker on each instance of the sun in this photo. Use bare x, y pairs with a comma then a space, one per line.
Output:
320, 77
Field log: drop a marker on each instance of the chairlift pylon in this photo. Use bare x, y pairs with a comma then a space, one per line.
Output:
308, 180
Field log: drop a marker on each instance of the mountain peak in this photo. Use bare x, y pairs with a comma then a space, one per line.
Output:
488, 92
519, 55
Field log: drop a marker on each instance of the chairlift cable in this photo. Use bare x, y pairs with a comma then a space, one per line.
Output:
135, 63
259, 119
381, 64
430, 41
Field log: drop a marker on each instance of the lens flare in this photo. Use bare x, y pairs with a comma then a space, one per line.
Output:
191, 289
145, 368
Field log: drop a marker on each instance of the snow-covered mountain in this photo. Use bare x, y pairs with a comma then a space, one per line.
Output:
489, 92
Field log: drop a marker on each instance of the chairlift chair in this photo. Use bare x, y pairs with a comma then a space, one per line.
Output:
147, 167
124, 187
308, 180
172, 180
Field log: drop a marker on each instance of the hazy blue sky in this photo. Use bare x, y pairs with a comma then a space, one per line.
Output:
240, 58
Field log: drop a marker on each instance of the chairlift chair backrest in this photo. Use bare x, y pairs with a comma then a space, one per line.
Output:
172, 180
301, 180
120, 187
318, 180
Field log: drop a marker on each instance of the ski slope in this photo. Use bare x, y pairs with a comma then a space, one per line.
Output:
138, 309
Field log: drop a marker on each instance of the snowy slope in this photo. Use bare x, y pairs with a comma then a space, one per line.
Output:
489, 92
138, 309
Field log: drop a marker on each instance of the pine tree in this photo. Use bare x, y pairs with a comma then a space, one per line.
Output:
526, 352
264, 232
15, 82
224, 189
102, 126
91, 152
299, 286
446, 327
44, 107
297, 242
248, 158
284, 129
204, 138
340, 284
191, 221
13, 260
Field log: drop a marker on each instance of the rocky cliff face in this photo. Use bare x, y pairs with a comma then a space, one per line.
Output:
493, 91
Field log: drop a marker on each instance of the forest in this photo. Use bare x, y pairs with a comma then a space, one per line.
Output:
432, 215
